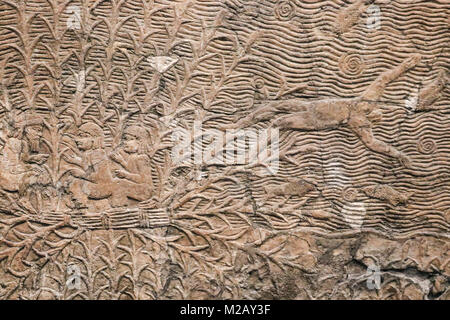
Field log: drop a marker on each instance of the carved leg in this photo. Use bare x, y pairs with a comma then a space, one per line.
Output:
140, 192
98, 191
264, 113
9, 182
300, 120
364, 132
376, 89
76, 189
119, 196
125, 190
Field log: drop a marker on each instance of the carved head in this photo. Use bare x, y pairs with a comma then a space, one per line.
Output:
90, 136
135, 140
375, 116
32, 126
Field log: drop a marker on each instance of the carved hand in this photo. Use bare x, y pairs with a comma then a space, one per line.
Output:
405, 161
412, 61
77, 173
38, 158
120, 173
116, 156
72, 159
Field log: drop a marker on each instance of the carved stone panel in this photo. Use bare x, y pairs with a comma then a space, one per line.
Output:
224, 149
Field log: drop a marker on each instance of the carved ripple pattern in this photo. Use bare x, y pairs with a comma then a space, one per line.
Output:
426, 146
350, 194
285, 10
352, 64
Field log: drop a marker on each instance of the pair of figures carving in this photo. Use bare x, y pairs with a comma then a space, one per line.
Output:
97, 180
118, 178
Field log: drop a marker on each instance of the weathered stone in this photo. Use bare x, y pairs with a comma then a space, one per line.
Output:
227, 149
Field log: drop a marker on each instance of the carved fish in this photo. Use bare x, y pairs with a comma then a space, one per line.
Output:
298, 188
320, 214
387, 193
349, 16
431, 92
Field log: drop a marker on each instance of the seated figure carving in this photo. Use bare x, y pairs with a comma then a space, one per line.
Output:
92, 174
133, 169
21, 159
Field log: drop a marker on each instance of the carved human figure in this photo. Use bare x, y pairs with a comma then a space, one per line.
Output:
93, 180
358, 113
134, 172
12, 169
32, 152
21, 158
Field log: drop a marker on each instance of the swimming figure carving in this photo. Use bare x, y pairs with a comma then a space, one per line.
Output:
358, 113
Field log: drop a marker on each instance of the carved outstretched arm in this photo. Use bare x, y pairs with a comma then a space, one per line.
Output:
243, 122
118, 158
376, 89
263, 113
366, 136
75, 160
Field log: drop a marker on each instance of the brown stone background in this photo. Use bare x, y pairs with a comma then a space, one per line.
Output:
224, 240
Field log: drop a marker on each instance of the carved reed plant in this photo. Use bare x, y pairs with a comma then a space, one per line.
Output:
25, 49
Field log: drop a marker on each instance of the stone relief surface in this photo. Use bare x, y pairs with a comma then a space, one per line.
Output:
224, 149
